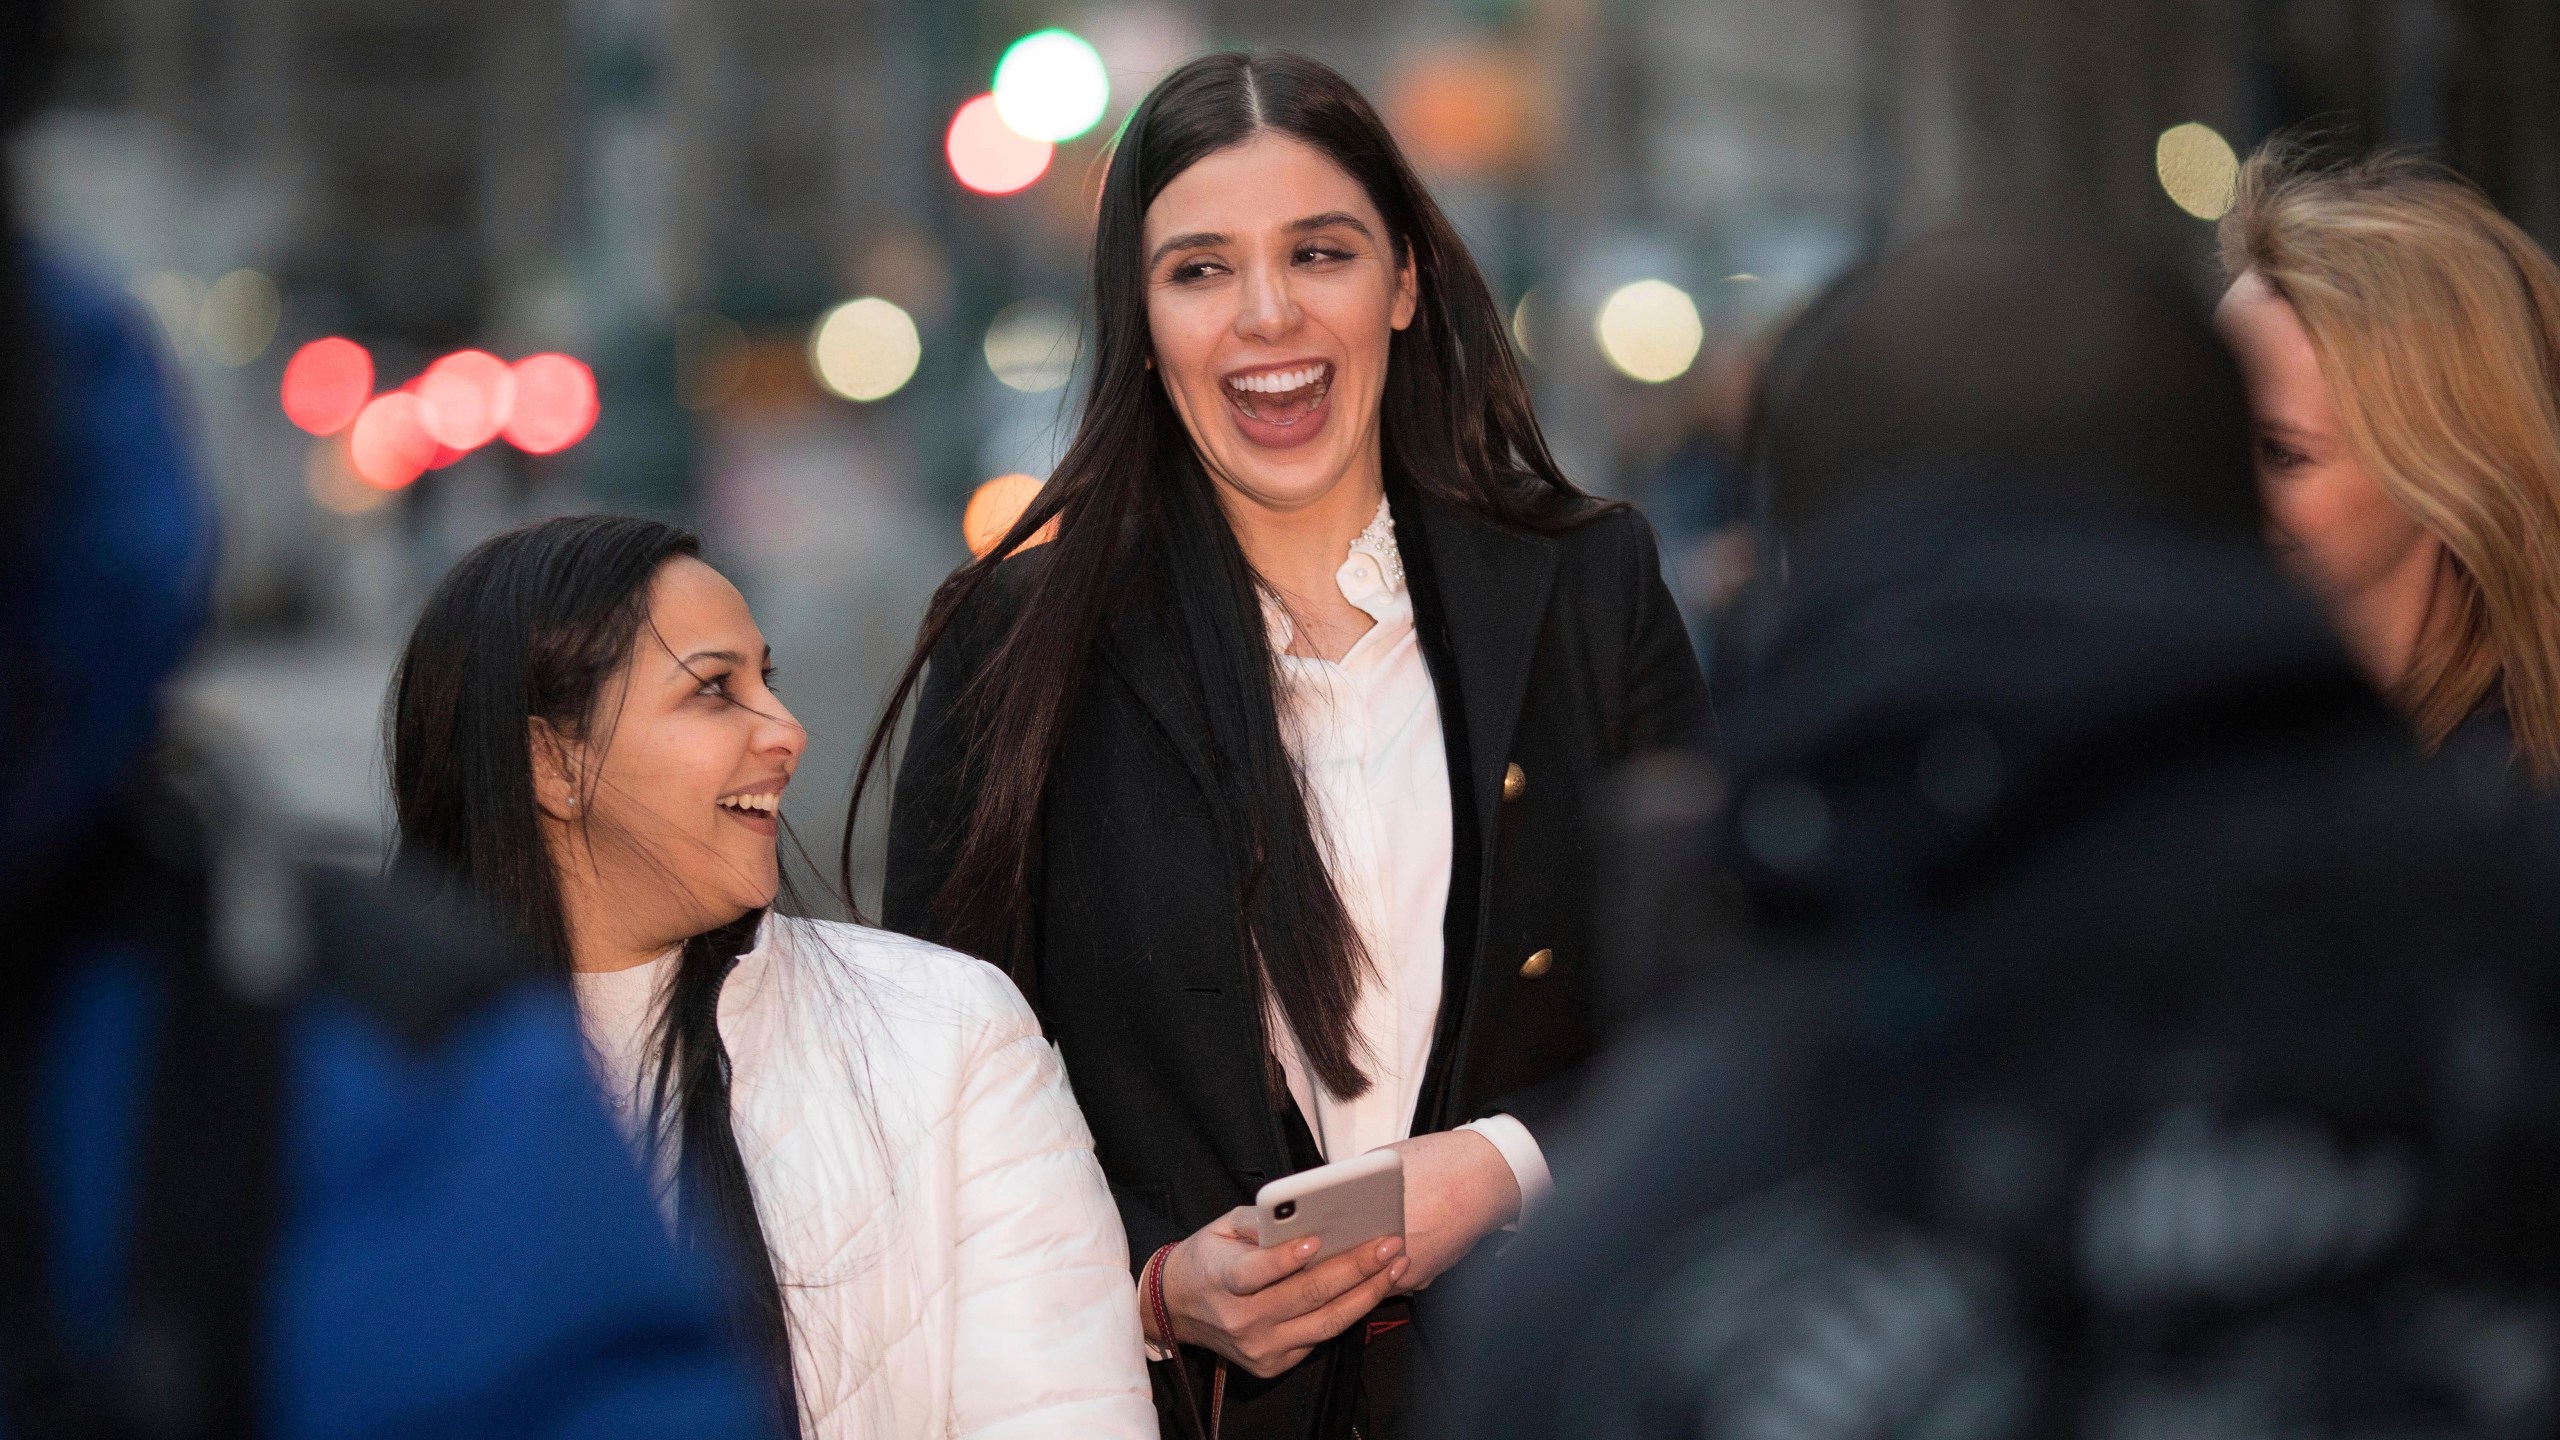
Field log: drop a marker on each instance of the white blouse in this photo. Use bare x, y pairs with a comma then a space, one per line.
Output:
1365, 732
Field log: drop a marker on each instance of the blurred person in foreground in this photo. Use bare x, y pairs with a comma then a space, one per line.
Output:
2110, 1028
869, 1132
280, 1152
2401, 341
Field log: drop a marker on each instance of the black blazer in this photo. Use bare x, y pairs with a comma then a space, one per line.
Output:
1556, 657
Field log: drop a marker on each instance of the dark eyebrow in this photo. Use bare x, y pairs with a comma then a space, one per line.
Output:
1202, 239
1196, 240
1329, 219
732, 656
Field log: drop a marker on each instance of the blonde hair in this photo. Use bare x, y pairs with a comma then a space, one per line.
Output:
2437, 324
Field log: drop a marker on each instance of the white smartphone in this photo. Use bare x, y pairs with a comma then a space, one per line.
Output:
1345, 1204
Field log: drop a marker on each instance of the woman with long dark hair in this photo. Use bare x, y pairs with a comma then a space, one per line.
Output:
1270, 778
869, 1133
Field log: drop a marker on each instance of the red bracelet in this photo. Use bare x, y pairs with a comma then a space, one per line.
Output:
1151, 1292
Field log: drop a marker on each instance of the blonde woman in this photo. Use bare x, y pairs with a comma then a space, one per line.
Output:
2401, 342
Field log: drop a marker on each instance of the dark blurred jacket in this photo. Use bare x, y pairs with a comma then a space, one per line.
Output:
2101, 1022
2132, 1038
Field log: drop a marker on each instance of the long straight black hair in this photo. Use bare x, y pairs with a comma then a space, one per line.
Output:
540, 624
1139, 524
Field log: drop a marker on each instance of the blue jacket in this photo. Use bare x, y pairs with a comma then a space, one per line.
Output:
465, 1247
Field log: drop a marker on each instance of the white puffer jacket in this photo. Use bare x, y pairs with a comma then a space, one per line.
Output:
949, 1255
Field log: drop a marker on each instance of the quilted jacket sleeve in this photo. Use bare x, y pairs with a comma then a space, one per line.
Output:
1047, 1340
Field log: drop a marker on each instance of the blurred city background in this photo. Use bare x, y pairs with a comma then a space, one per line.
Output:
825, 291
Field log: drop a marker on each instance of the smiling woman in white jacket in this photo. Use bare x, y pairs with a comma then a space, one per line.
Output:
867, 1132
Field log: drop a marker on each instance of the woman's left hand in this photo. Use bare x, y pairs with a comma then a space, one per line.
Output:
1457, 1190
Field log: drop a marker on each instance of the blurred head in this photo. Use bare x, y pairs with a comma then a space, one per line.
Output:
106, 539
583, 731
2402, 340
2013, 367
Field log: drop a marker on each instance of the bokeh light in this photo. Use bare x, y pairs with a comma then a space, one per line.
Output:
326, 383
1051, 86
555, 404
1523, 322
388, 446
239, 317
2197, 168
1032, 345
466, 398
865, 349
333, 482
988, 155
994, 506
177, 302
1465, 109
1650, 330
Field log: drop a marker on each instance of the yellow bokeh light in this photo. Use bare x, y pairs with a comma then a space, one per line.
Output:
1032, 345
240, 314
865, 349
1650, 330
2198, 169
1521, 323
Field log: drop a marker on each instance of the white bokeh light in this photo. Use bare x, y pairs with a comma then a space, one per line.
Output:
865, 349
1650, 330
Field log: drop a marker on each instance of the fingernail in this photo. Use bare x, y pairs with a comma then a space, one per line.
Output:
1308, 1245
1396, 1271
1388, 1247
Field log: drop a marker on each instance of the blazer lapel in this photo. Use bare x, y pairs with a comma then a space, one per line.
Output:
1480, 594
1493, 584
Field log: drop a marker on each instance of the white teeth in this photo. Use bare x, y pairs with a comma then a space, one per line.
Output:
765, 804
1280, 382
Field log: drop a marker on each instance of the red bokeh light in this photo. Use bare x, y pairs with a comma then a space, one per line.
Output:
555, 404
466, 398
326, 383
390, 447
986, 153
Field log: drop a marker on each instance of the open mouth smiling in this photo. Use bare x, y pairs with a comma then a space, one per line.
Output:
1280, 405
760, 809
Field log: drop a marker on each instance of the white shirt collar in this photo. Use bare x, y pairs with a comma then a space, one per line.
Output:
1371, 577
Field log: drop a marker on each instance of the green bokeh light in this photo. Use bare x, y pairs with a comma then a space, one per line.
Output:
1051, 86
